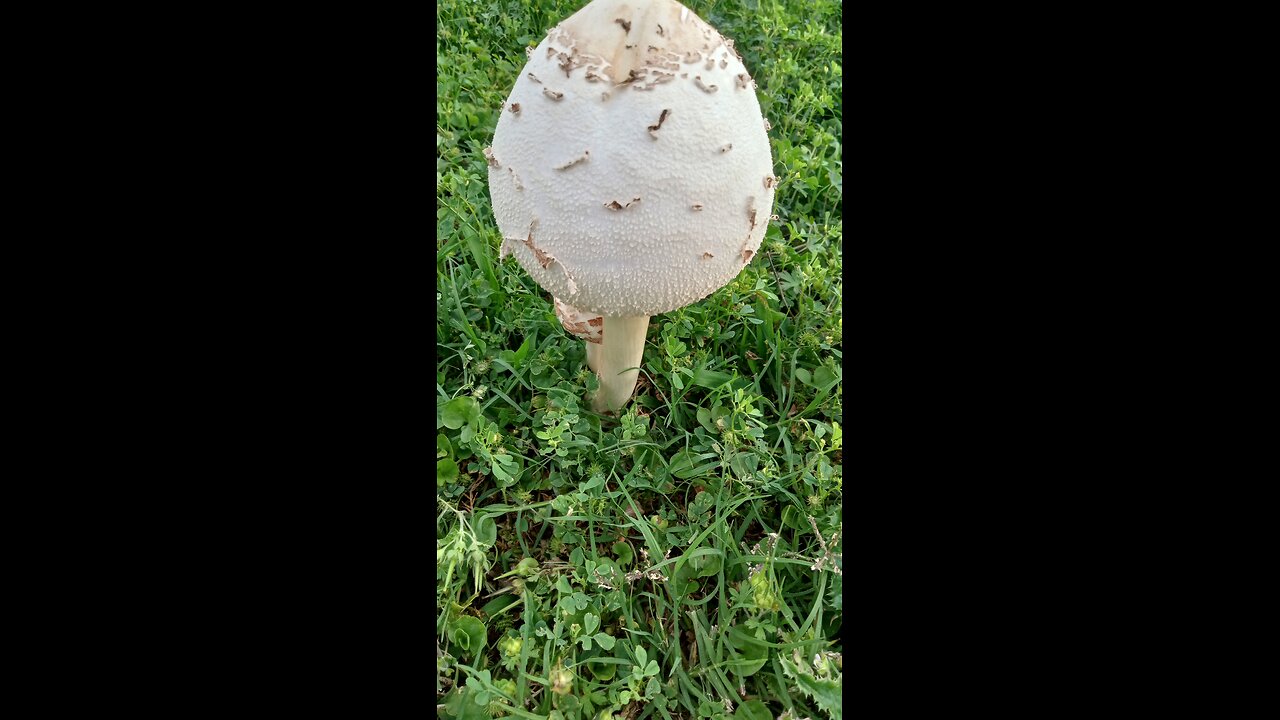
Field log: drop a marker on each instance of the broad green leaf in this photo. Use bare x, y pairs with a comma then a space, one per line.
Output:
446, 471
569, 704
461, 705
498, 604
469, 634
460, 411
687, 464
706, 561
824, 378
751, 653
606, 567
603, 671
753, 710
712, 379
567, 606
623, 552
486, 530
523, 351
793, 517
744, 464
606, 641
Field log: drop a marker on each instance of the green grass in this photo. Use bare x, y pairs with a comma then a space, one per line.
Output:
659, 564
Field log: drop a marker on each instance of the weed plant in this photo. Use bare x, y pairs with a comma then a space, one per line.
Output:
682, 560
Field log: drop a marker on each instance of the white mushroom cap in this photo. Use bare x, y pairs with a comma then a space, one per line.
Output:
635, 177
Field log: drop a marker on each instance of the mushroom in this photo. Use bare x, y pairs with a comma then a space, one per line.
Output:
614, 240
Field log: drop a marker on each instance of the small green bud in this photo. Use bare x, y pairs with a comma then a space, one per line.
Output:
527, 567
510, 646
561, 681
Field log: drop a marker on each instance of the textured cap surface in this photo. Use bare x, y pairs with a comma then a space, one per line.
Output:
630, 170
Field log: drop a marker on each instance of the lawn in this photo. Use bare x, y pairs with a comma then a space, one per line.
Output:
682, 559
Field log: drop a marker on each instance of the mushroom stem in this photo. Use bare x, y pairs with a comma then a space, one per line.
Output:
593, 356
618, 360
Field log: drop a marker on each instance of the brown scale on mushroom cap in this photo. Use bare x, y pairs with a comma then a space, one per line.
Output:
616, 206
653, 129
586, 155
664, 25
